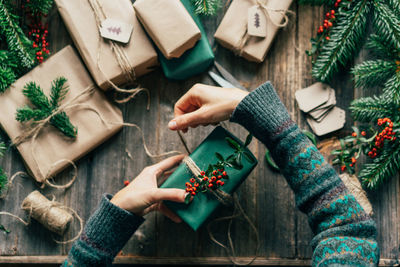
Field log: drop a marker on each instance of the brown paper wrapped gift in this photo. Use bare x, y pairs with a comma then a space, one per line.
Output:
139, 56
169, 24
52, 149
233, 28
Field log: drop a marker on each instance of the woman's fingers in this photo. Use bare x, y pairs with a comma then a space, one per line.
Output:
171, 194
187, 120
167, 164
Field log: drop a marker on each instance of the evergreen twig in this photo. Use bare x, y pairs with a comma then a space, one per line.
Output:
45, 107
206, 7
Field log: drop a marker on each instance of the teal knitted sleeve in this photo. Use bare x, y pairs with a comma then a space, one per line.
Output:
105, 233
344, 233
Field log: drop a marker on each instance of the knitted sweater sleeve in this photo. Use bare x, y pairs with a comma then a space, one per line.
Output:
344, 233
105, 233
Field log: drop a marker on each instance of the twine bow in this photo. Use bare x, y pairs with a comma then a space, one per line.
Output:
121, 57
37, 126
262, 4
227, 200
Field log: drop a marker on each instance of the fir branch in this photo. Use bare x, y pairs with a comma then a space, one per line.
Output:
384, 166
345, 40
39, 6
58, 91
373, 72
46, 108
3, 176
391, 90
206, 7
369, 109
386, 23
17, 42
380, 48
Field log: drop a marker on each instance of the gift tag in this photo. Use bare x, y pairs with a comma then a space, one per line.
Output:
320, 111
116, 30
312, 97
333, 121
256, 22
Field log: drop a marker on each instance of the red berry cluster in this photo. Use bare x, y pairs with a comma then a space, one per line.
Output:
328, 21
126, 182
386, 134
38, 32
204, 182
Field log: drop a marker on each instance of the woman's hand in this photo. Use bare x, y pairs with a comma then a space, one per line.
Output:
203, 105
142, 195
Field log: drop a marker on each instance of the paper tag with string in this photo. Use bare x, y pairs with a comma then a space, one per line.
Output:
256, 22
116, 30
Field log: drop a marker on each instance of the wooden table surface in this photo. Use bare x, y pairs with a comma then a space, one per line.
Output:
267, 198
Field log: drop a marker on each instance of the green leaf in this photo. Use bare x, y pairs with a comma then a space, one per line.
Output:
219, 156
2, 228
311, 136
271, 162
232, 143
249, 138
187, 198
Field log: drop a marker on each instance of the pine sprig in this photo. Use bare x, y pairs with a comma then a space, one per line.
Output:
17, 42
45, 107
384, 166
380, 47
345, 39
39, 6
373, 72
369, 109
3, 176
206, 7
386, 23
391, 90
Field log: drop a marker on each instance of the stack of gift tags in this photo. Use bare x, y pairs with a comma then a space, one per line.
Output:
319, 101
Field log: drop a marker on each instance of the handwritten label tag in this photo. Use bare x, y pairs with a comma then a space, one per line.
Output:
116, 30
256, 22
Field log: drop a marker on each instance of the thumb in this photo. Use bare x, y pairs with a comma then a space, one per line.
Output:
186, 120
171, 194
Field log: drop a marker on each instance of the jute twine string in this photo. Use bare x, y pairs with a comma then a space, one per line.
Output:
121, 57
50, 213
262, 4
10, 181
227, 200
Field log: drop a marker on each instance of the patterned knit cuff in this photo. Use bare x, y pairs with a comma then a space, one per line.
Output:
110, 227
262, 113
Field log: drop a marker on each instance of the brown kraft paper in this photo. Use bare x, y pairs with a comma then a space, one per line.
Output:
169, 25
233, 28
80, 21
51, 146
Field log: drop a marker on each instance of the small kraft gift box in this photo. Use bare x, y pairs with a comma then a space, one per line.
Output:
110, 39
47, 151
169, 25
249, 26
210, 174
194, 61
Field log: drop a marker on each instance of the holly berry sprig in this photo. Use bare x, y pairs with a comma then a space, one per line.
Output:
323, 30
216, 175
357, 143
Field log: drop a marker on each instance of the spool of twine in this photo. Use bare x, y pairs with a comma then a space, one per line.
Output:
48, 213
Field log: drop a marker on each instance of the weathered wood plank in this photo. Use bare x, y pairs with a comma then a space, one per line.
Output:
266, 197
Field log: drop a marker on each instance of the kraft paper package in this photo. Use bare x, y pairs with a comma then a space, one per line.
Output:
95, 118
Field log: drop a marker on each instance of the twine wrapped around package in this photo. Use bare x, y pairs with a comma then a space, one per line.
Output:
51, 214
226, 200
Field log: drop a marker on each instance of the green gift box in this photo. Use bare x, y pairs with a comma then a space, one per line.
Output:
220, 144
193, 61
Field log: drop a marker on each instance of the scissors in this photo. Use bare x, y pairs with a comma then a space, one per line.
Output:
225, 79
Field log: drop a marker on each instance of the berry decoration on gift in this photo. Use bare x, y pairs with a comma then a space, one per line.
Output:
46, 107
206, 7
215, 176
